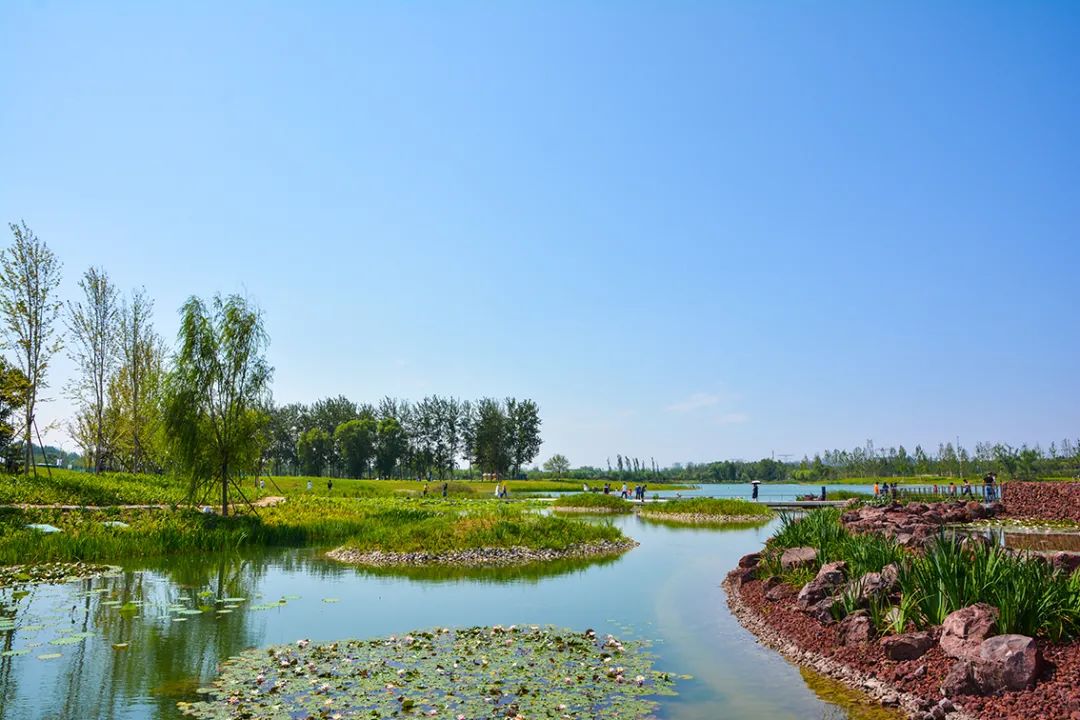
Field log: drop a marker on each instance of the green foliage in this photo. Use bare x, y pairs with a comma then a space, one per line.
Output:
355, 443
1032, 598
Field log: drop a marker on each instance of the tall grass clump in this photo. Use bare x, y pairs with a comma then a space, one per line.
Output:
719, 507
1032, 598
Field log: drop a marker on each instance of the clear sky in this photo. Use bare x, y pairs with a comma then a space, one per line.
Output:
689, 230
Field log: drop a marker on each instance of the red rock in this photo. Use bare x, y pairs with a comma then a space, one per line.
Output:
798, 557
750, 561
780, 592
829, 578
856, 629
965, 629
960, 680
1007, 662
910, 646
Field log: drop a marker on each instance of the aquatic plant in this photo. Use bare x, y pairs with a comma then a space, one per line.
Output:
466, 673
718, 507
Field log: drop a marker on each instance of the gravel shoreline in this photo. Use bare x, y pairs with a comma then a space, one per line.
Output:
592, 510
479, 557
914, 706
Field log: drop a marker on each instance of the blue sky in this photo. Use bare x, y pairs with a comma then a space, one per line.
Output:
689, 230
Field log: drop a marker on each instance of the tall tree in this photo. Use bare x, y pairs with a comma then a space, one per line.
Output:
491, 436
93, 332
137, 385
355, 441
389, 446
29, 308
219, 380
557, 464
314, 450
524, 432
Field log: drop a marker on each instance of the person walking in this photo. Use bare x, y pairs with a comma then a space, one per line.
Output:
445, 487
988, 486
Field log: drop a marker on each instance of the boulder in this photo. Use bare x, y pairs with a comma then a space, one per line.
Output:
1067, 562
1007, 662
780, 592
965, 629
909, 646
798, 557
750, 561
856, 628
822, 611
829, 578
770, 582
890, 574
960, 680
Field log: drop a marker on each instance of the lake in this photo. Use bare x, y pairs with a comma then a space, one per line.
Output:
667, 590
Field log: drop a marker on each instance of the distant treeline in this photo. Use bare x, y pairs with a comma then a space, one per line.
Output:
1009, 462
398, 438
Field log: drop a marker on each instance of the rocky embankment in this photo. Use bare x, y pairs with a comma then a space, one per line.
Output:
1058, 501
479, 557
960, 670
917, 523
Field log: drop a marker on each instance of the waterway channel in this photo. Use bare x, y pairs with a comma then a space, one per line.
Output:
667, 590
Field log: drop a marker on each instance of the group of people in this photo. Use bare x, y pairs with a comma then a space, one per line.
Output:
989, 491
638, 491
885, 489
501, 491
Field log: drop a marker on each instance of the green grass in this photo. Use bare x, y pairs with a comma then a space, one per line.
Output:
594, 501
717, 507
390, 524
68, 487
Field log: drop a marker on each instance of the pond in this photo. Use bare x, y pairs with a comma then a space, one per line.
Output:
132, 645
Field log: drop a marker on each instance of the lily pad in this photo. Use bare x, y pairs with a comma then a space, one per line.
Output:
13, 653
49, 656
475, 672
331, 600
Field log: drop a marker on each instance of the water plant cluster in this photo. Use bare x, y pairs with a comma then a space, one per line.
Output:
388, 523
714, 507
950, 573
512, 672
56, 572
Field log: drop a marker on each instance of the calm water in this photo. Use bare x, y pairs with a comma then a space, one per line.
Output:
668, 590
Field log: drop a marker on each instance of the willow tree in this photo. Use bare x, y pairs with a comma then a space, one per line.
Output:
213, 394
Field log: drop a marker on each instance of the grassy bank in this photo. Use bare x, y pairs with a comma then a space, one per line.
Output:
389, 524
67, 487
1032, 597
597, 502
708, 507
